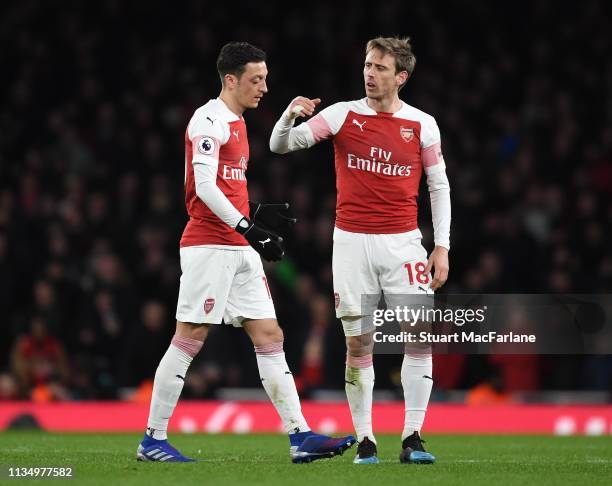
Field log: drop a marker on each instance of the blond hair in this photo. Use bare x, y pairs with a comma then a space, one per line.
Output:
399, 48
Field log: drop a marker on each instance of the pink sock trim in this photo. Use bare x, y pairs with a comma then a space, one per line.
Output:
268, 349
422, 356
187, 345
359, 361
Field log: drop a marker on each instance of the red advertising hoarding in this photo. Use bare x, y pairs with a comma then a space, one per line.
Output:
245, 417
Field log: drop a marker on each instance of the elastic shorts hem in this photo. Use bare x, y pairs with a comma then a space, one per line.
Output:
237, 321
200, 320
352, 312
352, 330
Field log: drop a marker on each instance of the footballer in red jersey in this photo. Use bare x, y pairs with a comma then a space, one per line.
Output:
222, 275
382, 147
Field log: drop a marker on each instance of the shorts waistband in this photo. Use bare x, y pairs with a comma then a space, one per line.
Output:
415, 233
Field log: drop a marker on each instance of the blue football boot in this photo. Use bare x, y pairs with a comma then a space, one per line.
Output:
151, 449
366, 452
413, 451
309, 446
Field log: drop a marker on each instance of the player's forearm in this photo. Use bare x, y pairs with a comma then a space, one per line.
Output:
439, 194
210, 194
285, 138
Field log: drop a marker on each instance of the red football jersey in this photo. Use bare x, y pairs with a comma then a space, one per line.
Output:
216, 134
379, 159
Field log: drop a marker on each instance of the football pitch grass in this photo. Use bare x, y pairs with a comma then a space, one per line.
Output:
264, 459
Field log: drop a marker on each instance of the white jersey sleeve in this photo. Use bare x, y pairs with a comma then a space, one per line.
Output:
207, 135
437, 181
286, 138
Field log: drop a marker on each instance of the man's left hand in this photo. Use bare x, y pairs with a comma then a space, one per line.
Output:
438, 260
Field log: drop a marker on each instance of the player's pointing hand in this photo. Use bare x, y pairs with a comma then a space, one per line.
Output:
302, 106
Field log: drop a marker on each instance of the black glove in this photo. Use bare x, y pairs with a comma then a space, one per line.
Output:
267, 244
274, 217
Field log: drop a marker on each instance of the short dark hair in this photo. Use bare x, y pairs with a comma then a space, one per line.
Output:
234, 56
399, 48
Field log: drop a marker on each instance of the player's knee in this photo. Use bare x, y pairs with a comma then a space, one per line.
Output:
263, 332
271, 333
414, 346
198, 332
275, 335
359, 345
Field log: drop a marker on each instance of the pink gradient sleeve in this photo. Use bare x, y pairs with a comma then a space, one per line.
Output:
319, 127
432, 155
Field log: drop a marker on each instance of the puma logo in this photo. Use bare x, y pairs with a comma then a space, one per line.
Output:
267, 240
210, 120
179, 376
428, 377
236, 134
360, 125
353, 382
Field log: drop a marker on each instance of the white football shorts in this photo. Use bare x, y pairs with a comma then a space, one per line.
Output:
220, 285
364, 265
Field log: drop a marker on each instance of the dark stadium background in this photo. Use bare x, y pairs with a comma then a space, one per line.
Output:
95, 100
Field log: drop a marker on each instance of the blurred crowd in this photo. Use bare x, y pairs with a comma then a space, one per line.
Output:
95, 101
